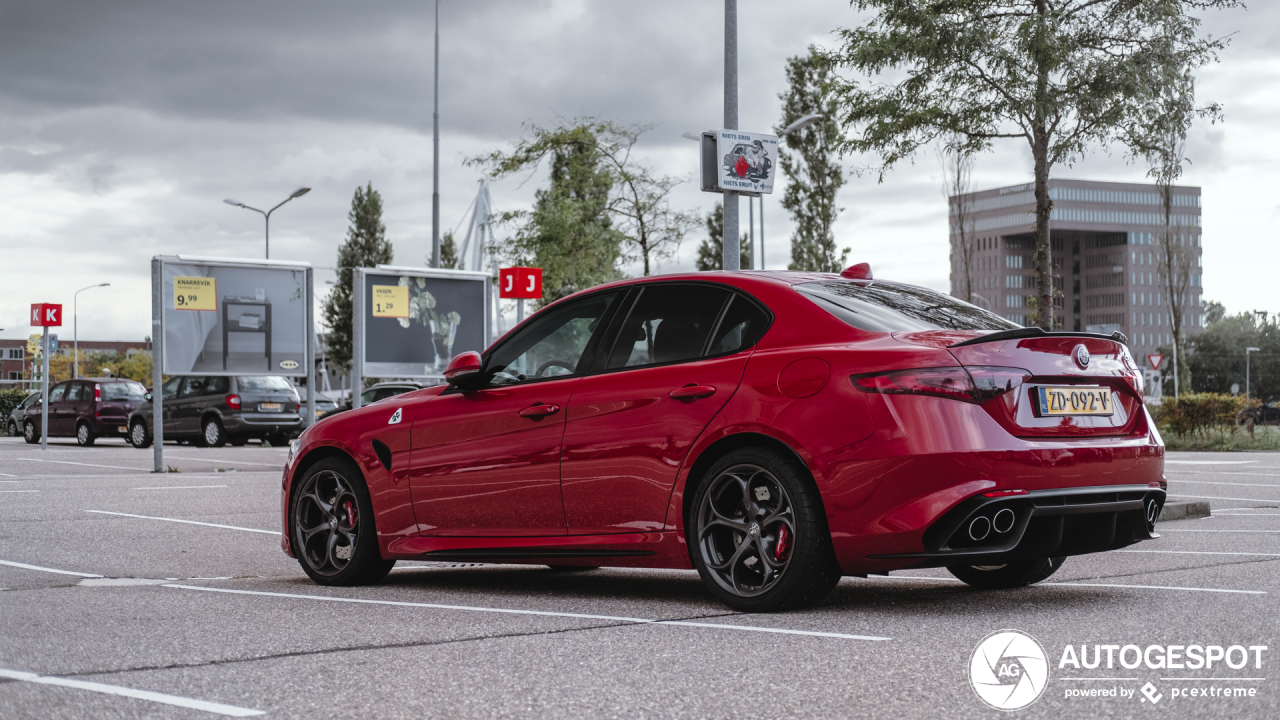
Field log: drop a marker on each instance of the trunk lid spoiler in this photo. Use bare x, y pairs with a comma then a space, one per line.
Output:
1035, 332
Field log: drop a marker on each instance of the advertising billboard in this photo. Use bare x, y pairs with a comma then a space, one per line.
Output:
232, 317
409, 322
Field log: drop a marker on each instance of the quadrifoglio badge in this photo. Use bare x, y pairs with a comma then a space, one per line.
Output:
1009, 670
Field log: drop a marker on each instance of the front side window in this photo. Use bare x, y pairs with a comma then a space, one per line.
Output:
891, 307
57, 393
668, 323
191, 387
171, 388
220, 385
553, 345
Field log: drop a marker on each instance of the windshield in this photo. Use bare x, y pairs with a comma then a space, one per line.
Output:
265, 382
122, 391
891, 307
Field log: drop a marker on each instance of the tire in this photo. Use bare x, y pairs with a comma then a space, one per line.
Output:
139, 435
30, 433
212, 434
84, 434
758, 533
12, 429
321, 526
998, 577
237, 441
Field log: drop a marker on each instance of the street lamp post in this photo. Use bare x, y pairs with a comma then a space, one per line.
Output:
267, 215
1247, 351
75, 321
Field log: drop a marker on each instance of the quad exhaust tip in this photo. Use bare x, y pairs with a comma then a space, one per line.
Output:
1003, 521
1153, 513
979, 528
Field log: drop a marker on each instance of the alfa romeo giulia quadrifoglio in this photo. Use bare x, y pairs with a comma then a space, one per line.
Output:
774, 431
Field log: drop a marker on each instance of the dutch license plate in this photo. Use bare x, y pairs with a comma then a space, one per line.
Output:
122, 429
1075, 400
269, 407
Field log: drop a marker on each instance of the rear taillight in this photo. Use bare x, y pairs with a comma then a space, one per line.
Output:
1134, 378
97, 393
976, 384
233, 401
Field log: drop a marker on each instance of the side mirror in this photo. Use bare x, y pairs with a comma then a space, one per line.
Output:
464, 370
147, 397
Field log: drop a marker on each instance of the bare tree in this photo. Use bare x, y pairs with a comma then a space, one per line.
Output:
957, 186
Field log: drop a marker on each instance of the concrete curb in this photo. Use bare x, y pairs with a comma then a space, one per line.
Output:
1184, 510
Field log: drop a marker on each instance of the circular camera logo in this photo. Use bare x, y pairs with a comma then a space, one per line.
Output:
1008, 670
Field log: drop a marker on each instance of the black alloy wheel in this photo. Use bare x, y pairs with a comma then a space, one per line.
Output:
84, 434
139, 435
214, 435
999, 577
759, 536
332, 526
30, 433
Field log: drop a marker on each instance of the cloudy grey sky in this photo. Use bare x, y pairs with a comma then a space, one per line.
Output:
124, 124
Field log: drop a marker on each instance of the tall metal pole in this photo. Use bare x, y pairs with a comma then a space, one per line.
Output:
267, 217
730, 254
311, 350
44, 390
762, 232
751, 232
157, 364
435, 155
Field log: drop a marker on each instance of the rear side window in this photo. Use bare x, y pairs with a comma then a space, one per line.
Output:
668, 323
891, 307
741, 327
220, 385
122, 391
73, 393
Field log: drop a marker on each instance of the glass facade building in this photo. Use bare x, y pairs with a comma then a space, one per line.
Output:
1104, 250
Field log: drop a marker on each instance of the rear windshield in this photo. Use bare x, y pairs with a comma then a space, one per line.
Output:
122, 391
890, 307
265, 382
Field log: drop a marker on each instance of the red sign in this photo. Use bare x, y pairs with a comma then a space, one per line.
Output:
1155, 361
521, 283
46, 315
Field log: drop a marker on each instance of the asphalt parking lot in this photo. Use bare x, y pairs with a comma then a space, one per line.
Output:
134, 595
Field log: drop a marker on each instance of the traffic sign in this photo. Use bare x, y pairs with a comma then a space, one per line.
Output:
741, 161
1155, 361
53, 344
46, 315
520, 283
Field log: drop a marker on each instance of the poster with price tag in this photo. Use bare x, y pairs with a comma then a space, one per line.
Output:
390, 301
195, 293
232, 317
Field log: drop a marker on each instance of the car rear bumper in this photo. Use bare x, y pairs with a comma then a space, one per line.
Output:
1043, 523
262, 424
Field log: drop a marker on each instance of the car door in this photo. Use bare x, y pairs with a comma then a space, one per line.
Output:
77, 404
57, 410
487, 462
678, 357
186, 409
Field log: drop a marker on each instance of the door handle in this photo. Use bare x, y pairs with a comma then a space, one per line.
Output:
692, 392
537, 412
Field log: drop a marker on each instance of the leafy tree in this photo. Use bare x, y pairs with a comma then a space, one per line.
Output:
366, 246
1216, 356
448, 251
647, 227
569, 233
812, 167
1063, 75
711, 251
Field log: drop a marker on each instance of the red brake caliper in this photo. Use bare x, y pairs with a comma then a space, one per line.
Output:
784, 540
350, 508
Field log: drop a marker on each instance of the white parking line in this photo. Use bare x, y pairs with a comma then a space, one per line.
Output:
68, 462
19, 491
185, 522
1221, 472
205, 705
1177, 496
25, 566
1243, 514
180, 487
7, 475
1198, 552
228, 462
1210, 482
1165, 530
542, 613
1107, 585
1210, 462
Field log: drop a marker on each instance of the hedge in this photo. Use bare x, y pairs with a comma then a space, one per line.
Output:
1199, 413
9, 399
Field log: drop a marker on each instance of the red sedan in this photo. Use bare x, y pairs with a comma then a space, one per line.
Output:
773, 430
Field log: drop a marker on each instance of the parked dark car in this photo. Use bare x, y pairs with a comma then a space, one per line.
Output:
86, 409
1266, 414
14, 421
324, 406
379, 392
214, 411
